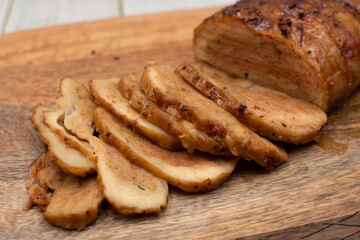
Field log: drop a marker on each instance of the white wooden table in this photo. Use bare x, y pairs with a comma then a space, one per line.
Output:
19, 15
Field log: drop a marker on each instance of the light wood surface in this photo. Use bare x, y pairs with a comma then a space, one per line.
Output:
20, 15
315, 192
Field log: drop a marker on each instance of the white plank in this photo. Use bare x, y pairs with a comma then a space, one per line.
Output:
5, 9
29, 14
136, 7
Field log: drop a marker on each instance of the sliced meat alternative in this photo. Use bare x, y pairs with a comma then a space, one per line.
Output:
54, 120
190, 137
69, 159
129, 188
108, 96
190, 173
174, 95
45, 172
309, 49
267, 112
75, 203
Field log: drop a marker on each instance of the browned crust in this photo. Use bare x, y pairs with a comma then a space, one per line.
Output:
268, 157
200, 141
240, 110
292, 22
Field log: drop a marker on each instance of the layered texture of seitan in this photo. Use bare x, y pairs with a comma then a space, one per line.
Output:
270, 113
129, 189
173, 94
108, 96
309, 49
189, 172
189, 135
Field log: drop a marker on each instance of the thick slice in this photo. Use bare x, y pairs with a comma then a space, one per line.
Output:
190, 137
173, 94
75, 203
190, 173
129, 188
309, 49
267, 112
69, 159
108, 96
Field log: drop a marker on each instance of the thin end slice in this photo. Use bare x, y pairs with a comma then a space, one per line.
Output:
270, 113
69, 159
190, 173
45, 172
75, 203
108, 96
190, 137
174, 95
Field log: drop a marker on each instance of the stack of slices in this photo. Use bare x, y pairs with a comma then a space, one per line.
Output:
186, 126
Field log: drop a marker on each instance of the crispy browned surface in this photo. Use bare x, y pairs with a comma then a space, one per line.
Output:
267, 112
189, 172
129, 188
69, 159
108, 96
75, 203
173, 94
190, 137
309, 49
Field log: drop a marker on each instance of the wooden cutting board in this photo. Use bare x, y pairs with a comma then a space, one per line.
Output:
314, 195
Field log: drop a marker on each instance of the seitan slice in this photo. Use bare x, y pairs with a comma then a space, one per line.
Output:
108, 96
75, 203
69, 159
173, 94
190, 137
267, 112
128, 188
190, 173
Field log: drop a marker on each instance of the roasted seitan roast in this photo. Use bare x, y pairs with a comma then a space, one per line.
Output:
308, 49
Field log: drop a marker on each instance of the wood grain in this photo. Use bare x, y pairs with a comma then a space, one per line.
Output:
32, 14
312, 192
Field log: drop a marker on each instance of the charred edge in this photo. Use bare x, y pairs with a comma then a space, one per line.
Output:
251, 15
184, 112
285, 26
215, 131
241, 109
269, 163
